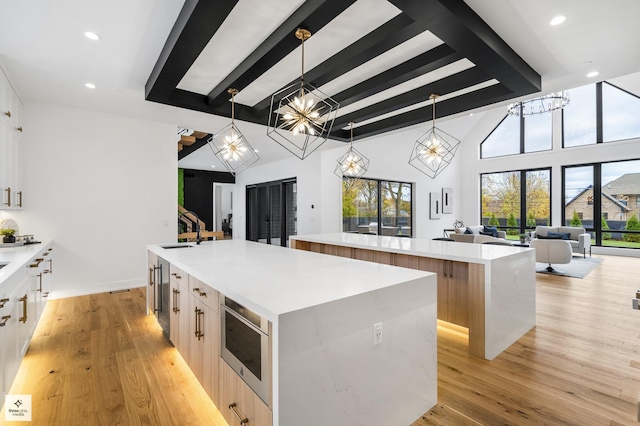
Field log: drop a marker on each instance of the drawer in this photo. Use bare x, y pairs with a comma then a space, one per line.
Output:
178, 276
204, 293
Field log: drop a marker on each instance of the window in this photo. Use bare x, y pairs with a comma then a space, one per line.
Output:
515, 207
507, 138
579, 117
620, 114
371, 206
599, 197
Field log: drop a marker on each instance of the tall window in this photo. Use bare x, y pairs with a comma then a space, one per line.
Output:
515, 207
381, 207
579, 117
519, 135
620, 114
603, 198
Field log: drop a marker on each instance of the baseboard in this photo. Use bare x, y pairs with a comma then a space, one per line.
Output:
97, 288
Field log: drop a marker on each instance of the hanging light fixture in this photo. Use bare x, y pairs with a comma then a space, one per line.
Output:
301, 116
546, 103
230, 145
352, 164
435, 150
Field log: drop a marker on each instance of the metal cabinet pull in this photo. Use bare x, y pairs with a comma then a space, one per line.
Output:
51, 266
198, 333
243, 420
176, 292
175, 274
3, 302
19, 129
151, 276
8, 114
8, 203
23, 319
4, 320
45, 294
197, 290
20, 198
40, 277
450, 269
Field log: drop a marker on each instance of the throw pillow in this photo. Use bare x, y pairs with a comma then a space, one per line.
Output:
549, 237
560, 235
468, 231
487, 233
491, 230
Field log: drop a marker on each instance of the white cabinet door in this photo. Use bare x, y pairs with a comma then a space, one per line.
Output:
9, 357
11, 130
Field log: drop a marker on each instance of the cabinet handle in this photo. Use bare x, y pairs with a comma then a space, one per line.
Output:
3, 302
450, 269
4, 320
50, 266
40, 277
243, 420
8, 114
176, 292
444, 268
197, 290
8, 203
45, 294
23, 319
178, 277
20, 198
151, 276
198, 332
19, 129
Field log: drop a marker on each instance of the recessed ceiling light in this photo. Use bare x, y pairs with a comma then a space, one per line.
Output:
558, 20
92, 36
256, 150
593, 74
213, 166
471, 114
90, 85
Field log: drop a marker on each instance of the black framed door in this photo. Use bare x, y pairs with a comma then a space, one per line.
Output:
272, 212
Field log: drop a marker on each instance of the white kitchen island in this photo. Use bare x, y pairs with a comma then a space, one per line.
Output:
489, 289
325, 367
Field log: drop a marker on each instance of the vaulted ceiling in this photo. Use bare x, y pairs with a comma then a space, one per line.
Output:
380, 59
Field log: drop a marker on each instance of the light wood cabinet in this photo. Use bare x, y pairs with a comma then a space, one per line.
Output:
179, 304
453, 298
10, 146
203, 351
238, 402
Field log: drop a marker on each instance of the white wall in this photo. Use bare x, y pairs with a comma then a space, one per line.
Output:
102, 187
318, 186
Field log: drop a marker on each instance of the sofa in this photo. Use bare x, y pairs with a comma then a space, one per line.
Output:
479, 230
477, 238
578, 238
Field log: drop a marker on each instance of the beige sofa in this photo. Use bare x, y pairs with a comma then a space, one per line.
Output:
579, 238
476, 238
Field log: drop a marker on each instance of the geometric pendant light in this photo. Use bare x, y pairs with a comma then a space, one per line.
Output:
230, 145
301, 116
435, 150
352, 164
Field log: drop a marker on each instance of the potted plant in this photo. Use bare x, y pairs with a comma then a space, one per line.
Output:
523, 238
8, 235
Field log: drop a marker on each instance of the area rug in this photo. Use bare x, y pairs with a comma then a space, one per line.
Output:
578, 268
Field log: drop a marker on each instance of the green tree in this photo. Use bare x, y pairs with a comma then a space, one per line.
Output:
605, 227
575, 220
632, 225
512, 222
493, 221
531, 220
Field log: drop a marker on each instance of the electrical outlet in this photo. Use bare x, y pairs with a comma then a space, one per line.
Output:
377, 333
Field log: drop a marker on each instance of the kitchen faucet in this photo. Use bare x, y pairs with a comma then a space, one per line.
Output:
198, 239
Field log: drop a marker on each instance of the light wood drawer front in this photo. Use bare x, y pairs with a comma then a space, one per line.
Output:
238, 401
204, 293
178, 275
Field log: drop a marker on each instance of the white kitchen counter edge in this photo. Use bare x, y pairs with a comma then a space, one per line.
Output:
18, 257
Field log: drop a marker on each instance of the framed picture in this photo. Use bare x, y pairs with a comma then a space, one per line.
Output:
435, 204
447, 200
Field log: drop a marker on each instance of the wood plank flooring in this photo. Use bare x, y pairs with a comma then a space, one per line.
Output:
98, 360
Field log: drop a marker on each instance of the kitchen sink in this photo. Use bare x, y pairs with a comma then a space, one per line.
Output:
2, 265
175, 246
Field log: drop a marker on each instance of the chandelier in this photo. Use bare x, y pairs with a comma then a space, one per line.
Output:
540, 105
301, 116
352, 164
231, 147
435, 150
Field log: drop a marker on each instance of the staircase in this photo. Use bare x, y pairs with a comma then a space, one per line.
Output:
189, 220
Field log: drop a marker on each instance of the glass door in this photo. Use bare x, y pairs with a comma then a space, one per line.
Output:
272, 212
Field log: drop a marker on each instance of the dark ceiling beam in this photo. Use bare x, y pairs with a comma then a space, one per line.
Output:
455, 23
197, 22
312, 15
414, 67
387, 36
449, 84
477, 99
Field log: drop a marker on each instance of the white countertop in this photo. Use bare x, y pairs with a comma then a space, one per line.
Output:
447, 250
17, 257
273, 280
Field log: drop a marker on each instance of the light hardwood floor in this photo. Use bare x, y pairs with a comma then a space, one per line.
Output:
98, 360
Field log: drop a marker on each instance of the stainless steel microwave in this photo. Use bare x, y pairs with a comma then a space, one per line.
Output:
245, 346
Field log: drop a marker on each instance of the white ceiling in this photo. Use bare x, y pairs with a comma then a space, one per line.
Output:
47, 58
